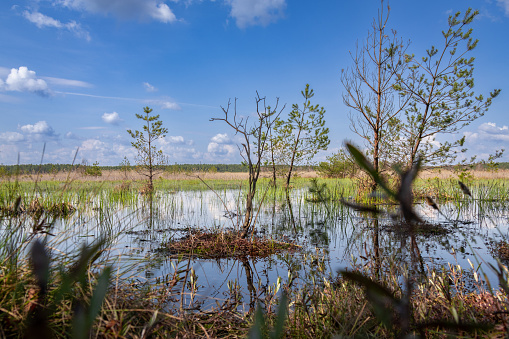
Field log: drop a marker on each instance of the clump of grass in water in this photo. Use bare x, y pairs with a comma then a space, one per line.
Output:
215, 244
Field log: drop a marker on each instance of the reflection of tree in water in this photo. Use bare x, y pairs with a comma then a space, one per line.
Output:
249, 280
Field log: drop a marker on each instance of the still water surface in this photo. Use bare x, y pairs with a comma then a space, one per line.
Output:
332, 237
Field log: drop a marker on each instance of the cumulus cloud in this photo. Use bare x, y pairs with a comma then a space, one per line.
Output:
178, 149
125, 9
256, 12
42, 21
40, 127
149, 87
111, 118
11, 137
24, 80
221, 139
221, 146
492, 128
39, 131
487, 139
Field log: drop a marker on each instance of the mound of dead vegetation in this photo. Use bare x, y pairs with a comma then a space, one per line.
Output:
228, 244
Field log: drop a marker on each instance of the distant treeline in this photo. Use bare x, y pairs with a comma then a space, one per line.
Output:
176, 168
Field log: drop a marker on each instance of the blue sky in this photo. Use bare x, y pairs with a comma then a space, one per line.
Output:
73, 73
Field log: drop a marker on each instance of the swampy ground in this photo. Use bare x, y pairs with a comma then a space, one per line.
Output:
97, 258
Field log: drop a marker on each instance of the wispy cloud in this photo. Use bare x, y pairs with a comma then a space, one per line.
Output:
256, 12
92, 127
165, 104
67, 82
43, 21
505, 5
149, 87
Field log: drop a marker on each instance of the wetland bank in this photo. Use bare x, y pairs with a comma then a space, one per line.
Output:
163, 283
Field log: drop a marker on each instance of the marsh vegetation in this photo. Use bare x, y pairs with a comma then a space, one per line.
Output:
174, 266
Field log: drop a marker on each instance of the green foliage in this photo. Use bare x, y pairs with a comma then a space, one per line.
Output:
260, 329
338, 165
73, 286
319, 192
149, 159
439, 87
93, 170
301, 136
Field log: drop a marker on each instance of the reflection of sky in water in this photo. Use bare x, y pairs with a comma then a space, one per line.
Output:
136, 232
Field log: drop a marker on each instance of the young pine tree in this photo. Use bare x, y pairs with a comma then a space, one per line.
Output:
149, 160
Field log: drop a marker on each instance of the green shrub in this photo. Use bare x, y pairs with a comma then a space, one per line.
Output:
339, 165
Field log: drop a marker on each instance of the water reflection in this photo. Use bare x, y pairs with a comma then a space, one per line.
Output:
331, 236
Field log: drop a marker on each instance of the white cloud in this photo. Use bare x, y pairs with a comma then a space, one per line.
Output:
92, 127
221, 139
40, 127
491, 128
221, 148
42, 21
71, 135
505, 5
178, 149
111, 118
163, 13
256, 12
92, 145
170, 105
431, 141
149, 87
11, 137
40, 131
67, 82
487, 139
125, 9
24, 80
175, 139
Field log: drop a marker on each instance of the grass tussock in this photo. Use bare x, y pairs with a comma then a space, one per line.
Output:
210, 244
37, 208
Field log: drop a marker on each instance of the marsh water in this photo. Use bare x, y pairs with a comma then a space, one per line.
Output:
330, 235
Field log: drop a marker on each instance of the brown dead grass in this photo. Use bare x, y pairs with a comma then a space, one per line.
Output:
217, 245
117, 175
477, 174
